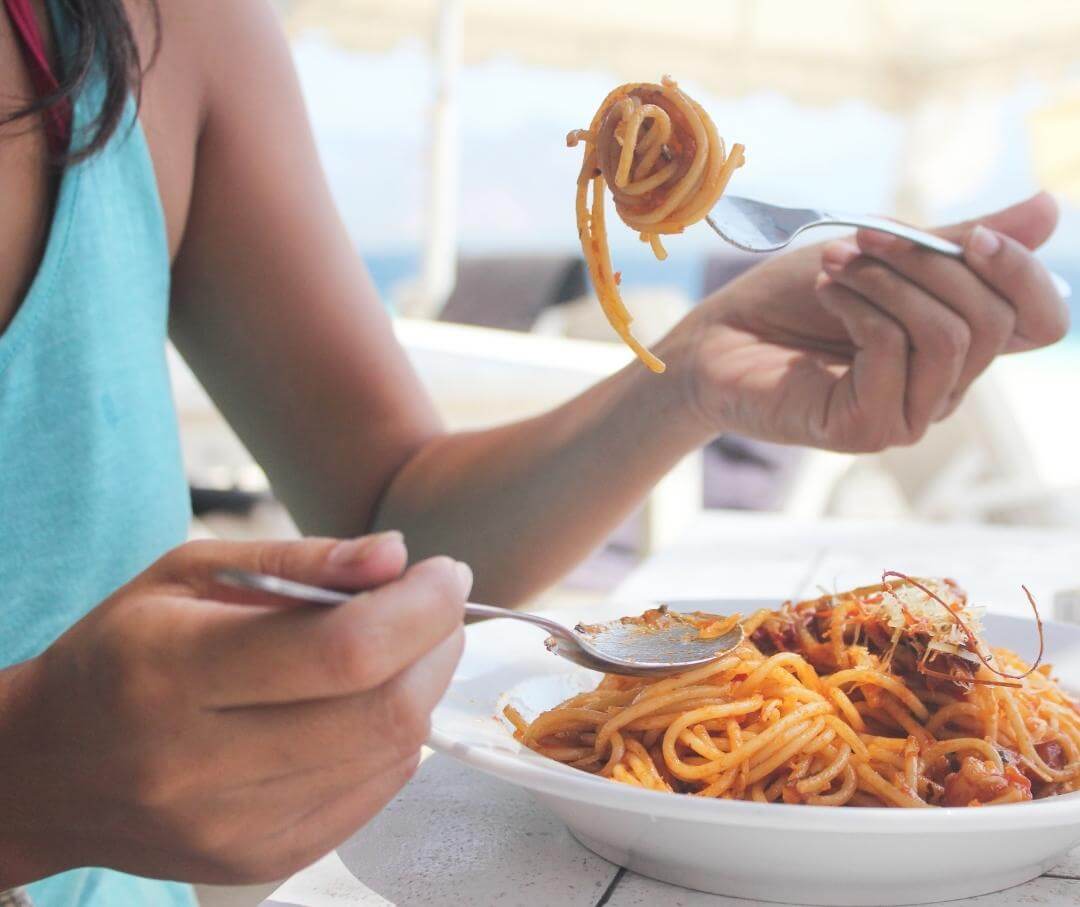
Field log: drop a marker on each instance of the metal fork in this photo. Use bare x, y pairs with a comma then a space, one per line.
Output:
759, 227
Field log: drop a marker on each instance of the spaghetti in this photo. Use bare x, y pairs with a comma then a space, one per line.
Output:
883, 696
666, 165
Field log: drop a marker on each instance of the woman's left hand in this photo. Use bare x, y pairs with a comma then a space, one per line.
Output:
863, 343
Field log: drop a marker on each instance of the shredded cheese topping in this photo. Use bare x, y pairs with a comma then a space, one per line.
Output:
928, 614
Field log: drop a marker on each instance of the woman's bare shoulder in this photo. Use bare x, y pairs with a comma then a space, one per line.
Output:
212, 40
199, 54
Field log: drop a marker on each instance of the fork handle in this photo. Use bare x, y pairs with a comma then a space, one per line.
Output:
884, 225
922, 238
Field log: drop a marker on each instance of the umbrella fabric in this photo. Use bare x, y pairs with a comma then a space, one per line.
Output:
893, 54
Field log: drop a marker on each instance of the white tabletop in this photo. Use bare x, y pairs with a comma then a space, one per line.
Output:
456, 836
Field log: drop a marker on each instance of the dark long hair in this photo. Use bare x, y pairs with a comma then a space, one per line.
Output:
103, 43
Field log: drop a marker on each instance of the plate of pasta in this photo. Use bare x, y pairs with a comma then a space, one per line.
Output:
885, 745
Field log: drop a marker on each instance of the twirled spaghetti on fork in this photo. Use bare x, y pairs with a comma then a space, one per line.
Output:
883, 696
666, 166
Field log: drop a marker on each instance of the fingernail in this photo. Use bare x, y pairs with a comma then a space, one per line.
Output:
984, 242
822, 280
875, 240
354, 551
948, 406
465, 575
836, 256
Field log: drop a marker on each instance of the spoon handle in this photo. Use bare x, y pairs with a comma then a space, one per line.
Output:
276, 585
490, 611
472, 609
316, 595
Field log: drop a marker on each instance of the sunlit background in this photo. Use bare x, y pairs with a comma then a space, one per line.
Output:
442, 129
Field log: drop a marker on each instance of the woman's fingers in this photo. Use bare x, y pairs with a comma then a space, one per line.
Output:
1030, 222
321, 769
350, 564
938, 339
864, 408
958, 314
998, 270
989, 317
349, 737
270, 830
326, 824
243, 656
1042, 317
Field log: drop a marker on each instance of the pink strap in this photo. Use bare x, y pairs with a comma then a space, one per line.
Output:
57, 117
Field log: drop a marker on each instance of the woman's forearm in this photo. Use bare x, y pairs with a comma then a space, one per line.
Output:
523, 503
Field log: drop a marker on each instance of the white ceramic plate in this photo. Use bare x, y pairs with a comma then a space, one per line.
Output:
772, 852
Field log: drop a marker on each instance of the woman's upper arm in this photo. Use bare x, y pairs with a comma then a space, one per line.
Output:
272, 306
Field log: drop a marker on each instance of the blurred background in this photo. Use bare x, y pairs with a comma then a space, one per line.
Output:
442, 124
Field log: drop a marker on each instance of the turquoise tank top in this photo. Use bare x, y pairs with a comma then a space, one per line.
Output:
92, 488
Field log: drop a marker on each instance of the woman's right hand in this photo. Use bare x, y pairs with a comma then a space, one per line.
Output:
191, 731
865, 342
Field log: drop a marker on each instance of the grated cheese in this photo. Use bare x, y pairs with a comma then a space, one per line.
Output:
940, 624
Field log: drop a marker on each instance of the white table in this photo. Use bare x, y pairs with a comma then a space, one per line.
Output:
455, 836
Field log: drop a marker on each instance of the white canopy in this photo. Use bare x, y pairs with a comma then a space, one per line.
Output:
894, 53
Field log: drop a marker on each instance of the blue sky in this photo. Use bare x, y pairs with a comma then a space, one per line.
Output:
517, 175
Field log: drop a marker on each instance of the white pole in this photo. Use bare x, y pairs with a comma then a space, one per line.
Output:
440, 241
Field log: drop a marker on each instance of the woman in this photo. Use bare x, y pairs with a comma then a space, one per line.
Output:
182, 730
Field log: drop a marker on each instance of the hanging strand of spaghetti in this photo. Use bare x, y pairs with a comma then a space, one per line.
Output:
660, 154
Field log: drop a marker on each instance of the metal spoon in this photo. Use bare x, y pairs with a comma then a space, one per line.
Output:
758, 227
612, 647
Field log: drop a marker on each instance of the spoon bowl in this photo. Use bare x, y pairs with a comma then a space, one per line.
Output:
626, 647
